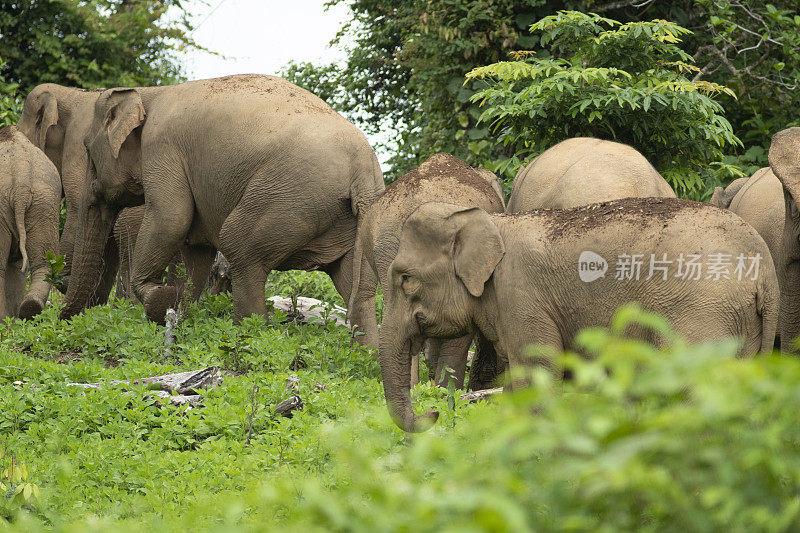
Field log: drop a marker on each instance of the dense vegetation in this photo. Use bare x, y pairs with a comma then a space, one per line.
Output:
405, 71
678, 438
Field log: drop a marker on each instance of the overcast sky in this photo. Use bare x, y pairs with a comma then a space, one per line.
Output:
261, 36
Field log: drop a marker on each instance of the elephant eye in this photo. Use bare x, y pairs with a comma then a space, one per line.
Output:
408, 284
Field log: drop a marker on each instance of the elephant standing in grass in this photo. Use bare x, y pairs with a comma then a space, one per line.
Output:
256, 167
441, 177
582, 171
520, 280
30, 201
57, 119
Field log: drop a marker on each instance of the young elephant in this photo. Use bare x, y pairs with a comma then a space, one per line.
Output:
539, 278
29, 209
582, 171
441, 177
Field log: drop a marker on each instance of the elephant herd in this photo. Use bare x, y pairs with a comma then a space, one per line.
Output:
268, 174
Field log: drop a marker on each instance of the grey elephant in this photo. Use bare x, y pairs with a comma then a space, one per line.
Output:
784, 160
759, 201
536, 279
584, 170
56, 119
29, 212
442, 177
251, 165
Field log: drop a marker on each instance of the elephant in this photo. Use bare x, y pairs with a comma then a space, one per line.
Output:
251, 165
29, 216
530, 282
56, 119
759, 201
197, 259
442, 177
784, 160
583, 170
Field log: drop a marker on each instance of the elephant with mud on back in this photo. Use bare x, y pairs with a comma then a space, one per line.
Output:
584, 170
442, 177
768, 200
30, 198
56, 119
258, 168
516, 278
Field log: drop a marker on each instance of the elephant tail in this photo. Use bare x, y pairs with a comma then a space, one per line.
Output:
768, 303
22, 200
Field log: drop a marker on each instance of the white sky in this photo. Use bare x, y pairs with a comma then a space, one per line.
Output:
261, 36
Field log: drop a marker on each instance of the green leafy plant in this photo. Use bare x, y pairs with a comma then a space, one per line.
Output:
623, 82
55, 264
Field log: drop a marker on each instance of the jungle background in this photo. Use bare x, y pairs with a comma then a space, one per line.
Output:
642, 438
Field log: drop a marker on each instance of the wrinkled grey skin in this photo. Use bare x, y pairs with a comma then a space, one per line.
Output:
784, 160
442, 177
196, 259
30, 198
582, 171
759, 201
251, 165
516, 279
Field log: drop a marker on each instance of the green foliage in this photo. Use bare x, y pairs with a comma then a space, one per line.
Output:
99, 43
55, 264
641, 438
10, 105
605, 79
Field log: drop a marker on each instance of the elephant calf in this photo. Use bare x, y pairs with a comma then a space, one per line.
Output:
442, 177
29, 210
537, 279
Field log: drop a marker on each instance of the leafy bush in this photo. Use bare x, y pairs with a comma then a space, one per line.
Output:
605, 79
673, 438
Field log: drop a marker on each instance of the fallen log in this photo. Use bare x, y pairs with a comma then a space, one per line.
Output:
180, 383
286, 407
474, 396
310, 310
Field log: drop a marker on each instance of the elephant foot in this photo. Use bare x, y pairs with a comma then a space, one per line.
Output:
157, 301
30, 308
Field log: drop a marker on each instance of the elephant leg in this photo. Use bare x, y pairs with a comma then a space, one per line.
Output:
15, 287
5, 267
108, 274
486, 365
198, 260
164, 226
363, 315
452, 361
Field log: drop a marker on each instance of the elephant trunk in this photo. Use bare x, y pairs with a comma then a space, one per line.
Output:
94, 227
397, 345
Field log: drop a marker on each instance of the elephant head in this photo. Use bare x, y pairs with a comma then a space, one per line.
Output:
113, 181
784, 159
39, 122
447, 254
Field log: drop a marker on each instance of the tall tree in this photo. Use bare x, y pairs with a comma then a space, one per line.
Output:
407, 60
94, 43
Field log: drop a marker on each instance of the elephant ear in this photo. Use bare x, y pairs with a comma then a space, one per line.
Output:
784, 159
46, 116
477, 248
124, 113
